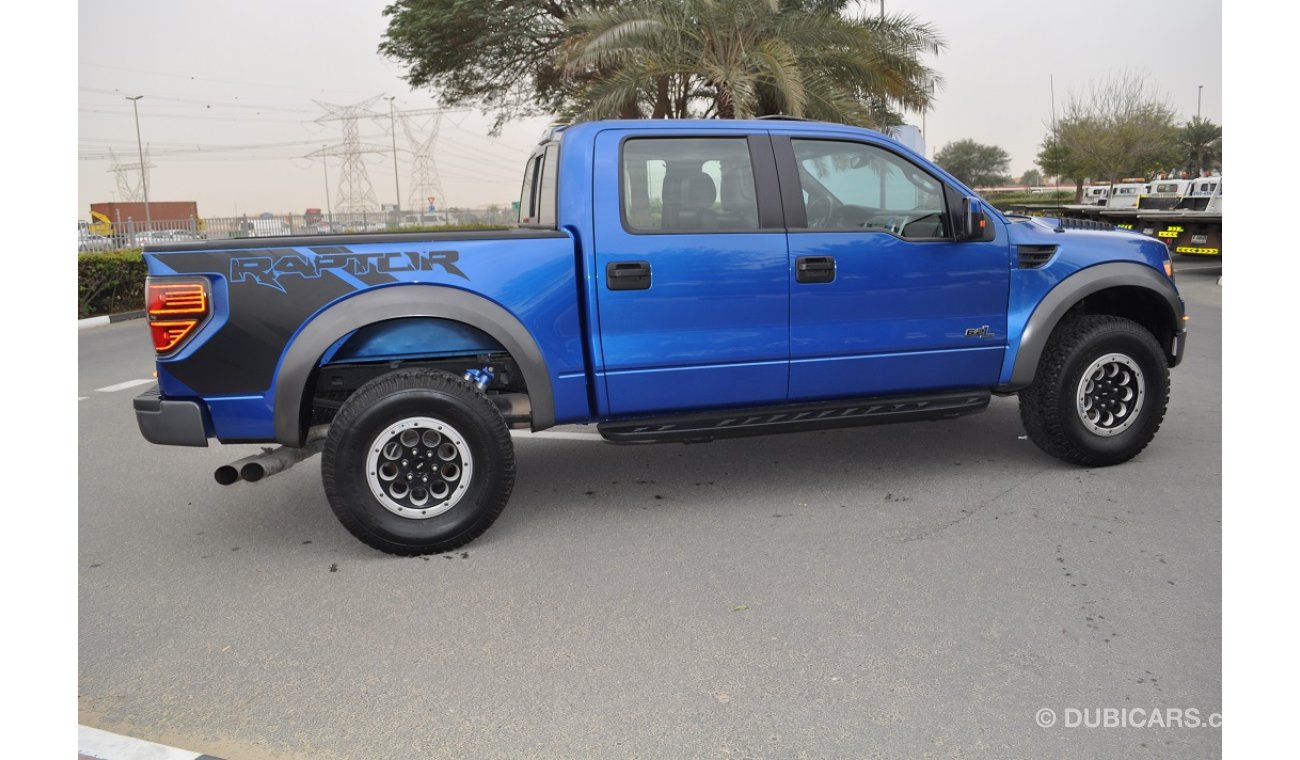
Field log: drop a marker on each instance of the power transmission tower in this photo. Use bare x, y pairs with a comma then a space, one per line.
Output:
129, 176
355, 194
425, 184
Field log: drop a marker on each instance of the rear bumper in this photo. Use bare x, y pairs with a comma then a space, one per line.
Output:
170, 422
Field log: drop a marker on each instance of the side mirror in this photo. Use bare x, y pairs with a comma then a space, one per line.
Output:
972, 224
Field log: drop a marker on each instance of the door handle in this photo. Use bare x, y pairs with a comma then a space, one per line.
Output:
628, 275
814, 269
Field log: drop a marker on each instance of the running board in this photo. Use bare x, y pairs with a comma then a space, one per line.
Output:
793, 418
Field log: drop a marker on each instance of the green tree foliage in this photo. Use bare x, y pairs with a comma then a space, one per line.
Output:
825, 59
497, 55
1056, 160
745, 58
1119, 129
1032, 178
975, 164
1201, 143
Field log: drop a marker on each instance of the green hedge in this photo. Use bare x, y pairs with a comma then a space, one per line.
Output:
109, 283
1002, 201
113, 282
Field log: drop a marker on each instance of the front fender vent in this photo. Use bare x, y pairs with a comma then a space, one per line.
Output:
1034, 256
1083, 224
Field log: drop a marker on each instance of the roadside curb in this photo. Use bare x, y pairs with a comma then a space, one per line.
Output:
107, 318
96, 744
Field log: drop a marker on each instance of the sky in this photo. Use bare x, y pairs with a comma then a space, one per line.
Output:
228, 111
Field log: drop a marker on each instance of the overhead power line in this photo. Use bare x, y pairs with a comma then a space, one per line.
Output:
356, 194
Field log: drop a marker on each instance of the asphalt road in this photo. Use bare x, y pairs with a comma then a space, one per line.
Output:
918, 590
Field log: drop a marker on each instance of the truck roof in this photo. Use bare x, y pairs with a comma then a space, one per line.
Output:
785, 124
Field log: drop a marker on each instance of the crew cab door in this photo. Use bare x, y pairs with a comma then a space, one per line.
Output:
691, 273
883, 299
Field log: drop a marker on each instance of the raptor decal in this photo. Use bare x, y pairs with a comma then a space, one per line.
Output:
267, 268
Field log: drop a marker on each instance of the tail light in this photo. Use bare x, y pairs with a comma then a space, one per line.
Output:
176, 308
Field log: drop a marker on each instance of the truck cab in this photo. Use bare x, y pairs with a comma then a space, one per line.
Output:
1205, 194
1165, 194
1125, 193
1095, 195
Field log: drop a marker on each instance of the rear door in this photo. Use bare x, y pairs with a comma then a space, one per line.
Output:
692, 270
883, 300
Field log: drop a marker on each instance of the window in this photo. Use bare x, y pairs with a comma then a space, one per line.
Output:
546, 186
537, 196
688, 185
528, 193
853, 186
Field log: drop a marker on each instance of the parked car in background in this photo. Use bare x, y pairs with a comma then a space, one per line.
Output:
324, 228
88, 242
154, 237
180, 236
263, 228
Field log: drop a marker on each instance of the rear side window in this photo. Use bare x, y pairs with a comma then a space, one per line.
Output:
528, 193
546, 186
537, 196
688, 185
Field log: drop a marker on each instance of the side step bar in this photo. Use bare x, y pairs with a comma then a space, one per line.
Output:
735, 423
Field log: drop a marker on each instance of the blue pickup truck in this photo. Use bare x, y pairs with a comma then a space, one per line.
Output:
667, 281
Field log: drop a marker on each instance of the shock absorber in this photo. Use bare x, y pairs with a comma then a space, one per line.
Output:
480, 377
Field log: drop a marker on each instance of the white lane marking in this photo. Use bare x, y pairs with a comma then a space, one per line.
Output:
102, 744
124, 386
559, 436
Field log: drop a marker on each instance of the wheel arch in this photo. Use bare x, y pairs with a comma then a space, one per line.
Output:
299, 363
1120, 289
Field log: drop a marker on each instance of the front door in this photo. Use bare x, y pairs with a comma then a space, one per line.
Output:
883, 300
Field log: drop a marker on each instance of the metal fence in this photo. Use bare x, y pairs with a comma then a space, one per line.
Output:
132, 233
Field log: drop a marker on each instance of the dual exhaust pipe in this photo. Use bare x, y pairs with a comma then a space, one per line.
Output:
259, 466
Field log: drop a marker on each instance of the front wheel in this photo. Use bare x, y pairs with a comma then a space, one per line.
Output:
1100, 391
417, 462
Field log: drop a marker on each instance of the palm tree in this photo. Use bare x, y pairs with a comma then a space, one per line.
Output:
745, 58
1201, 143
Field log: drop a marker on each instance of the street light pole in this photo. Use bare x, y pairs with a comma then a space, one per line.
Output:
144, 178
392, 122
1199, 87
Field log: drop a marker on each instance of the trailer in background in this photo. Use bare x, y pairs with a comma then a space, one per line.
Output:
1186, 214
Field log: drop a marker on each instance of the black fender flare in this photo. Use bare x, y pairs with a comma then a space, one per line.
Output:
304, 353
1074, 288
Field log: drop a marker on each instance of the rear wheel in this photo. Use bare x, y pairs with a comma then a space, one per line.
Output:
1100, 392
417, 462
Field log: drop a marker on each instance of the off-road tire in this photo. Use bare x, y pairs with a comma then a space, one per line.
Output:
1052, 407
457, 421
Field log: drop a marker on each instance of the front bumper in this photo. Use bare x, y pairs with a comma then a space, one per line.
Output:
171, 422
1177, 347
